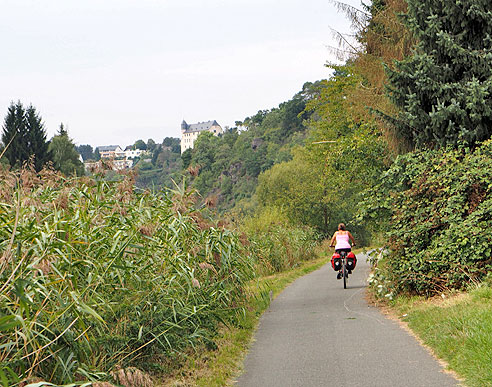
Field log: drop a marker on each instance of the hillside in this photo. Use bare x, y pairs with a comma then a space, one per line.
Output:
225, 169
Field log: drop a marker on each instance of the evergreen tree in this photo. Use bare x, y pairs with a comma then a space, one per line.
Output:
14, 130
65, 157
444, 90
24, 137
36, 139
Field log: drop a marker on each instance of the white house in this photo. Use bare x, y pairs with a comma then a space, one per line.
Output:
118, 158
122, 164
131, 154
115, 165
111, 151
189, 133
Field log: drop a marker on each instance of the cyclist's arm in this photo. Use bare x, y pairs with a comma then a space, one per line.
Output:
332, 243
351, 238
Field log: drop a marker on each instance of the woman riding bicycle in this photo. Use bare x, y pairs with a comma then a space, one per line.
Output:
342, 237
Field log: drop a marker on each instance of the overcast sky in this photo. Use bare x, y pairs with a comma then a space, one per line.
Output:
114, 71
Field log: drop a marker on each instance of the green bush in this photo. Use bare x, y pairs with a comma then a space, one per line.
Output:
95, 275
439, 210
276, 244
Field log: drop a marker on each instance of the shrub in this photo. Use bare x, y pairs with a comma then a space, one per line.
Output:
440, 216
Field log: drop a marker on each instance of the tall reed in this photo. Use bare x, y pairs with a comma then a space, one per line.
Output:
94, 275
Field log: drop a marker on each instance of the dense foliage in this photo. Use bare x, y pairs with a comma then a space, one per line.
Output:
432, 209
440, 209
443, 90
228, 166
162, 166
321, 185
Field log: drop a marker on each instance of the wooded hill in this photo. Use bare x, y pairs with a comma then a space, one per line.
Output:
225, 168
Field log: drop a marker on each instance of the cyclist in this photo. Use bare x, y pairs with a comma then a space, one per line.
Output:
342, 237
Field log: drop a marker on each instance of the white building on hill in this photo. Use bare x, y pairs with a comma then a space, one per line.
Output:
132, 153
111, 151
189, 133
114, 157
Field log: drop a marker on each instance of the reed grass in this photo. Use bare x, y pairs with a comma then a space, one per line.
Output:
95, 275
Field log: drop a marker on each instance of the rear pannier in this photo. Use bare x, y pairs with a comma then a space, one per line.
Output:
351, 261
336, 262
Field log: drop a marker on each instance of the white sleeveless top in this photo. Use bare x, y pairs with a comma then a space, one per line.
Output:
342, 241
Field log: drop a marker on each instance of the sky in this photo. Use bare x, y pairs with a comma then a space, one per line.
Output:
115, 71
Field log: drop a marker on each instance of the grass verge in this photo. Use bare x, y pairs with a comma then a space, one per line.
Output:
219, 367
458, 328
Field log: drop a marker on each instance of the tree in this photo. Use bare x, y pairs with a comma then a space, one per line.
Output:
86, 152
14, 131
186, 157
24, 137
294, 186
150, 145
324, 181
140, 144
382, 38
443, 90
155, 155
36, 136
168, 141
62, 131
65, 157
204, 150
173, 143
97, 155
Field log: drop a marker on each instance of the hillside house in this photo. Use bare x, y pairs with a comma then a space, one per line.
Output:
190, 132
114, 157
115, 165
111, 151
132, 153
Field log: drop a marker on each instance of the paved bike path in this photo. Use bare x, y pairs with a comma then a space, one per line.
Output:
315, 333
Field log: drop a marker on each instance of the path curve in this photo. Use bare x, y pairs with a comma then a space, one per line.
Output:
315, 333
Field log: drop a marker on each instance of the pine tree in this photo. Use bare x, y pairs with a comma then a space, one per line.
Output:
36, 138
14, 137
24, 137
444, 90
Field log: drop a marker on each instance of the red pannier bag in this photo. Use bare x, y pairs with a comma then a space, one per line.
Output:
351, 261
336, 262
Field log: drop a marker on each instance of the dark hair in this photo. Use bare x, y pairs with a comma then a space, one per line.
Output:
341, 226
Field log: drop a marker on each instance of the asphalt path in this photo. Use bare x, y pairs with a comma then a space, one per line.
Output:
316, 333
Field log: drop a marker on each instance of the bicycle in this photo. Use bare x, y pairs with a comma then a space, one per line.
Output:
343, 257
344, 270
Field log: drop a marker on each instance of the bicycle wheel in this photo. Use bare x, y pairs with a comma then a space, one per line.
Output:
344, 273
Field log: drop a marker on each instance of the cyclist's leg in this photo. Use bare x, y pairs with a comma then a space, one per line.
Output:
346, 251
